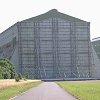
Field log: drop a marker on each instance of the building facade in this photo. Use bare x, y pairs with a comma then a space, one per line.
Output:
96, 45
49, 46
96, 56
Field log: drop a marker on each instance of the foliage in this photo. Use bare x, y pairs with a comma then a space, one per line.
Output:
84, 90
20, 76
7, 70
17, 78
1, 71
25, 75
6, 75
24, 79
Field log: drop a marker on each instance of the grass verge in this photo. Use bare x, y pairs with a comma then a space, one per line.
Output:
84, 90
11, 91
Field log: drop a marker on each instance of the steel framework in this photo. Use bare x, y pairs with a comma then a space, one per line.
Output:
54, 48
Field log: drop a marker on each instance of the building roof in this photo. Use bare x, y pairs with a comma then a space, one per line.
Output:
54, 13
50, 14
96, 39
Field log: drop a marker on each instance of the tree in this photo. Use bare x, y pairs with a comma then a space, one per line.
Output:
7, 70
1, 73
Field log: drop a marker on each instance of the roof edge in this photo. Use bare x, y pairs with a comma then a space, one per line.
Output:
53, 13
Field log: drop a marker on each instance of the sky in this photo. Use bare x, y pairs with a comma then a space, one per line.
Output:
12, 11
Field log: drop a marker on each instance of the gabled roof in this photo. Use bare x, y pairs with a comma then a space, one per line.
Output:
54, 13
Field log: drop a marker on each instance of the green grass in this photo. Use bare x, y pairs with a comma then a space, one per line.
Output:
11, 91
82, 90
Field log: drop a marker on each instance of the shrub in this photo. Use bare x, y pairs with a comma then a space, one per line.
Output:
20, 76
7, 70
6, 75
1, 77
1, 71
17, 79
26, 75
24, 79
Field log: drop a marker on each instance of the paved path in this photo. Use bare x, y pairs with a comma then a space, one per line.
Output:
45, 91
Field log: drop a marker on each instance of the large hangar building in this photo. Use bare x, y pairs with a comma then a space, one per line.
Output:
49, 46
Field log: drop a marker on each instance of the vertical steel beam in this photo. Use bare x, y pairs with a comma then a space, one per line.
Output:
55, 48
37, 50
89, 51
73, 50
19, 48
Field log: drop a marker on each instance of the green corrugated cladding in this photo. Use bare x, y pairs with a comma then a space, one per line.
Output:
96, 45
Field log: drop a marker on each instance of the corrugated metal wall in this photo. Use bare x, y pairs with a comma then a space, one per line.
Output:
54, 48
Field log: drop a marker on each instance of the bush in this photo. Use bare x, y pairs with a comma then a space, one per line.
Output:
1, 77
1, 72
7, 70
20, 76
24, 79
26, 75
12, 72
6, 75
17, 79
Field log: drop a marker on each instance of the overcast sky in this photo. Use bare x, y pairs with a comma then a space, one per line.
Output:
12, 11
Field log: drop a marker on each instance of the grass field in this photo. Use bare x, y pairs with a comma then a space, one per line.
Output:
12, 89
83, 90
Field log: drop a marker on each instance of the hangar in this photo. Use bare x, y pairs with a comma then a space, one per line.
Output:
50, 46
